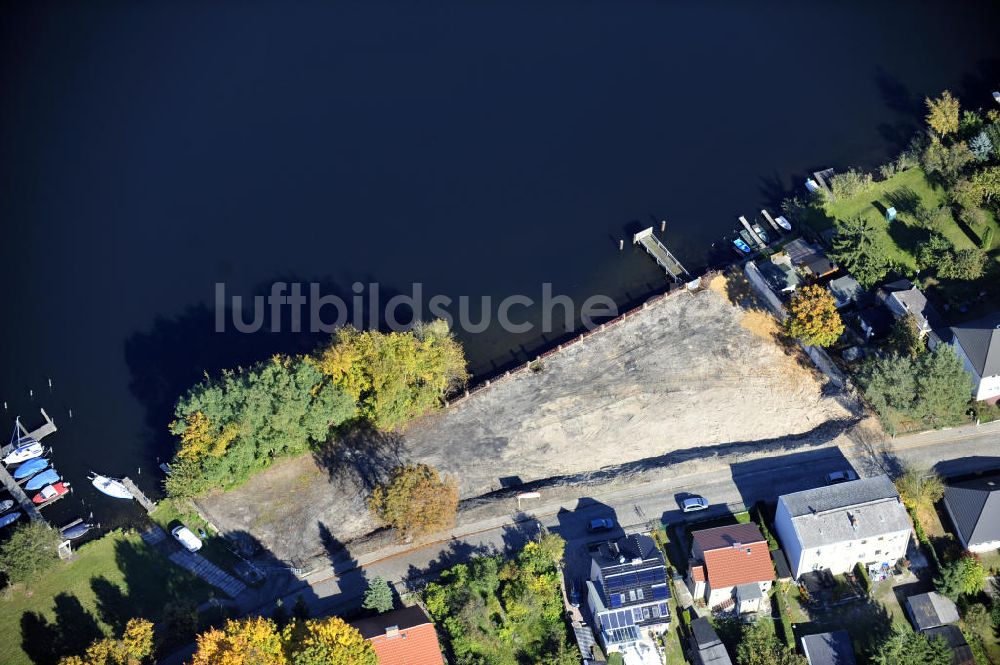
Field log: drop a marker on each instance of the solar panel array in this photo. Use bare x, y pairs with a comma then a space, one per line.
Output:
660, 592
630, 580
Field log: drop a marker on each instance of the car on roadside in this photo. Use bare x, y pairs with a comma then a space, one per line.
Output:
693, 504
186, 537
835, 477
600, 524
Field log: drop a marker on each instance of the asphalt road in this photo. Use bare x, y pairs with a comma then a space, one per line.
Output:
951, 452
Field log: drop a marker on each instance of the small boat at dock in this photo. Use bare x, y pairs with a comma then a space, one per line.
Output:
9, 518
110, 486
26, 449
783, 223
46, 477
742, 246
50, 493
760, 233
6, 505
76, 530
30, 468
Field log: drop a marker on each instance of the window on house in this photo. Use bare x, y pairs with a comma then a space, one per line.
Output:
631, 594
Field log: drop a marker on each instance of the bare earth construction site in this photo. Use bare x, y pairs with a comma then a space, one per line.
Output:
690, 379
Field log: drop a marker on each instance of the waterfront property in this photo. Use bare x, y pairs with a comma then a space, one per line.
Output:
628, 593
974, 508
730, 567
838, 526
977, 344
903, 298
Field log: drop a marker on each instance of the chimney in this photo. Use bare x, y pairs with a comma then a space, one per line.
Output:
392, 631
737, 545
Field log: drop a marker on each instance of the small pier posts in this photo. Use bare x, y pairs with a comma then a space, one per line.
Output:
40, 433
148, 504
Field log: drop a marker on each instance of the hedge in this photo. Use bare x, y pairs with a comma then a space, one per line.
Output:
862, 575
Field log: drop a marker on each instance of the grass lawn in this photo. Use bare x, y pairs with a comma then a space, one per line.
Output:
109, 581
673, 652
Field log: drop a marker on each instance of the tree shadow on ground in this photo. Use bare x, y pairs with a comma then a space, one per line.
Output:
71, 632
361, 453
868, 621
457, 552
874, 453
909, 237
903, 199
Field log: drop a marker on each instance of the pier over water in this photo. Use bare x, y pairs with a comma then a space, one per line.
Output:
660, 253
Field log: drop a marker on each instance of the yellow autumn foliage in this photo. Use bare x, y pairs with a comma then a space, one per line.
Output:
246, 642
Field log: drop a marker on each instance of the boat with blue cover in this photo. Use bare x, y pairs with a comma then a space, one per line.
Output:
30, 468
77, 530
742, 246
41, 480
9, 518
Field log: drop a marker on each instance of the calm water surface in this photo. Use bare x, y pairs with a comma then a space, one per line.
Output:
481, 148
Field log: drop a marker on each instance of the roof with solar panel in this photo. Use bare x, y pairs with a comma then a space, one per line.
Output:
633, 573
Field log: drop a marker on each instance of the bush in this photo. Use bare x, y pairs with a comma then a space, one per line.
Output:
862, 574
964, 577
986, 239
760, 519
416, 500
850, 184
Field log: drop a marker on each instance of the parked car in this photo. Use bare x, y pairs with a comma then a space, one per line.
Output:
186, 538
835, 477
600, 524
694, 504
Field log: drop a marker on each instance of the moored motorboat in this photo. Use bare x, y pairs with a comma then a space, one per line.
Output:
77, 530
6, 505
760, 233
9, 518
50, 493
783, 223
46, 477
110, 486
30, 468
742, 246
26, 449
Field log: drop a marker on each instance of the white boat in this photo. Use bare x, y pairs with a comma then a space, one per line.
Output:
783, 223
26, 449
996, 97
6, 505
110, 486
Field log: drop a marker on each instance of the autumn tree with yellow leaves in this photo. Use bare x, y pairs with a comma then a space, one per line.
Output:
813, 317
943, 113
134, 648
257, 641
416, 500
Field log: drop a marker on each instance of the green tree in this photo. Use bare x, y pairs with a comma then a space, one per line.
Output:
849, 184
904, 647
965, 264
947, 161
416, 500
398, 376
230, 427
920, 488
760, 646
813, 316
944, 388
889, 383
964, 576
905, 339
857, 248
943, 113
988, 182
966, 194
981, 146
31, 549
378, 596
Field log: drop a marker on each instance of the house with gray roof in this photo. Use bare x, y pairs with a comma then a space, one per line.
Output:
707, 648
828, 648
845, 290
838, 526
903, 298
961, 652
977, 343
974, 507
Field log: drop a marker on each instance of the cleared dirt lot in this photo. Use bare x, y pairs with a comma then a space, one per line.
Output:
691, 373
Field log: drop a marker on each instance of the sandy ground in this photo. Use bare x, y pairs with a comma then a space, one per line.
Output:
691, 378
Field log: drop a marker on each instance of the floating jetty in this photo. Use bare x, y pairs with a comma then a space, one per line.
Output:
7, 480
770, 221
753, 234
148, 504
660, 253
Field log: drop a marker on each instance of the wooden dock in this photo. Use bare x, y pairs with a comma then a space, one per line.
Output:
148, 504
770, 221
39, 433
660, 253
753, 234
25, 502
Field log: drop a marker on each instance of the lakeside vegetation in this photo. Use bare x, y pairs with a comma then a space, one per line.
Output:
233, 426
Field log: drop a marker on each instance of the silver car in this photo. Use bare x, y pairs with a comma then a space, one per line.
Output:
694, 504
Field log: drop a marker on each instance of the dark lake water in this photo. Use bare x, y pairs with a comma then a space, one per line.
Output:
480, 148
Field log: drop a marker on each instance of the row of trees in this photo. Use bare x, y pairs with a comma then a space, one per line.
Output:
252, 641
231, 426
505, 612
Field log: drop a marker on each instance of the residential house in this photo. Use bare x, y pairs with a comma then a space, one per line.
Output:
809, 258
935, 616
838, 526
730, 565
930, 610
845, 290
627, 594
903, 298
706, 647
977, 343
402, 637
875, 321
828, 648
779, 273
974, 508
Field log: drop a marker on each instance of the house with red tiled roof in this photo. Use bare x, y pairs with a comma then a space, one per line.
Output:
730, 566
402, 637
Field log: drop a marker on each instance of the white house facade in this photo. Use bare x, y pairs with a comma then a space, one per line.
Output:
838, 526
977, 344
